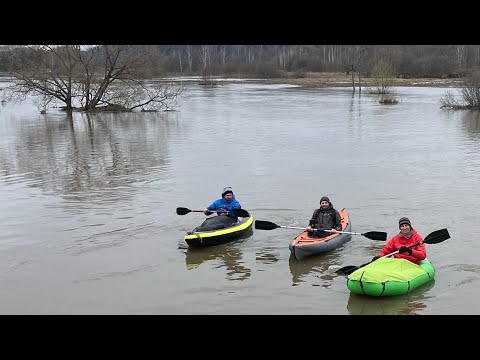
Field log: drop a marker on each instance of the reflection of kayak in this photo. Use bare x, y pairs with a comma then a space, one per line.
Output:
220, 234
195, 256
389, 277
303, 245
316, 267
410, 304
228, 256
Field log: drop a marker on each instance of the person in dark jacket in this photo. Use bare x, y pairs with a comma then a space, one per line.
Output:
401, 242
324, 218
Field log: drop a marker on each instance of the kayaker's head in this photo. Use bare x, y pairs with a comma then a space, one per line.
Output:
227, 193
404, 225
325, 202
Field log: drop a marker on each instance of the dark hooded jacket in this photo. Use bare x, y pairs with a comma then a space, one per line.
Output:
326, 219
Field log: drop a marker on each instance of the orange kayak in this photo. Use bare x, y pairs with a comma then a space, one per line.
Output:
303, 245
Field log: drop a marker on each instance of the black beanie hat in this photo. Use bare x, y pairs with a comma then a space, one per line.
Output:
404, 220
324, 198
226, 190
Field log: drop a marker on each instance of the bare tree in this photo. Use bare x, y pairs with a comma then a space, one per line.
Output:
205, 57
179, 52
448, 100
461, 55
90, 78
188, 50
469, 94
360, 54
382, 75
353, 60
223, 54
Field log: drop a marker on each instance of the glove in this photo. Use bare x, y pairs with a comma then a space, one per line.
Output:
208, 213
404, 249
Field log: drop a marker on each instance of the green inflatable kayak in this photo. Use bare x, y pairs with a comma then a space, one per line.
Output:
390, 277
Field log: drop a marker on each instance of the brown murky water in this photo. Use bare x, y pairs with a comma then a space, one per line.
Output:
88, 203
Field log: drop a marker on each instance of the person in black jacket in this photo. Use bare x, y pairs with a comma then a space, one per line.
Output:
324, 218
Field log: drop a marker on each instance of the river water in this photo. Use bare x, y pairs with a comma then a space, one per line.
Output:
88, 221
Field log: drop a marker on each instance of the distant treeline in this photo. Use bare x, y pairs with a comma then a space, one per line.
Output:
270, 61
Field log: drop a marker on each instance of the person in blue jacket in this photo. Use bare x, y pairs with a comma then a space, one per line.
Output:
223, 207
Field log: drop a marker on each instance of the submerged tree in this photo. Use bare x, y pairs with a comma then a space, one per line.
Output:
353, 62
89, 78
469, 93
382, 76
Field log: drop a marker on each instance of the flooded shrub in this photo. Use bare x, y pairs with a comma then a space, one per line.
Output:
469, 94
388, 100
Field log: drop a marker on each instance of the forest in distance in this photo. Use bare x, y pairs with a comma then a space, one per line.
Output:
79, 77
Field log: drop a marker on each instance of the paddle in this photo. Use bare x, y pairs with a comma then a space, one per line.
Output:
267, 225
433, 238
238, 212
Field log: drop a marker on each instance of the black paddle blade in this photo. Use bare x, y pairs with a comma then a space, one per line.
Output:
346, 270
265, 225
241, 212
437, 236
183, 211
376, 235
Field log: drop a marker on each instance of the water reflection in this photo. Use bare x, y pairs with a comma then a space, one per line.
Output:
409, 304
267, 255
89, 157
317, 266
471, 123
228, 256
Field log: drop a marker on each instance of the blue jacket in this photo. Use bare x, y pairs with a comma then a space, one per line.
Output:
229, 205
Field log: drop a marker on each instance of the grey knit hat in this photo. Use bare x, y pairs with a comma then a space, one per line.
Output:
404, 220
226, 190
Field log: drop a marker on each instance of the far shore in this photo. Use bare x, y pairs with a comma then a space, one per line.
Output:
313, 79
344, 80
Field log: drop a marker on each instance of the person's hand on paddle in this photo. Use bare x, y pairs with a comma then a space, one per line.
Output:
207, 212
311, 226
333, 231
404, 249
223, 212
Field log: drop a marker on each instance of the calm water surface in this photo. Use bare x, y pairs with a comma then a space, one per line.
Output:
88, 203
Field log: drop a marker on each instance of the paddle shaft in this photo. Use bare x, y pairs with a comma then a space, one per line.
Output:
237, 212
347, 232
302, 228
212, 211
408, 247
267, 225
